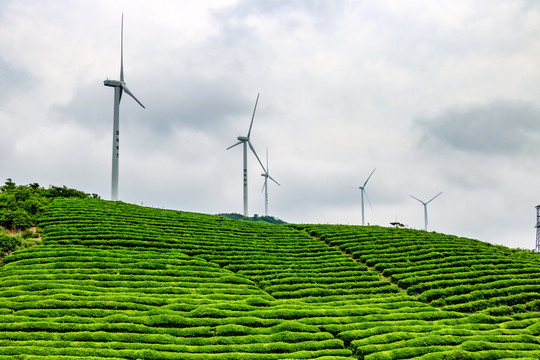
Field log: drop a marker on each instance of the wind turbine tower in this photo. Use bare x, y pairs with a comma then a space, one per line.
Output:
425, 208
363, 191
265, 186
245, 141
119, 87
537, 247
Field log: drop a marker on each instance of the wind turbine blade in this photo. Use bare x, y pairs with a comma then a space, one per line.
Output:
264, 184
131, 94
253, 116
271, 178
416, 199
369, 177
433, 198
122, 50
257, 156
267, 168
238, 143
120, 95
369, 202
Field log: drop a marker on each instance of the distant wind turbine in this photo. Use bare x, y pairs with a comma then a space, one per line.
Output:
245, 141
265, 186
119, 87
363, 191
425, 208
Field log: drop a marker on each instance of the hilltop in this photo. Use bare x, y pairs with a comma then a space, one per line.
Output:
118, 281
255, 218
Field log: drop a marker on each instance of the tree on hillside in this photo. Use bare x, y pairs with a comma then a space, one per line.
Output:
22, 205
255, 218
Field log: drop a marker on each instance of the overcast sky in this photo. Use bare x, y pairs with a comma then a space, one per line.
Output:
436, 95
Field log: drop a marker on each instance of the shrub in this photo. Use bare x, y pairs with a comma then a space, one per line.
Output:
8, 243
28, 234
15, 219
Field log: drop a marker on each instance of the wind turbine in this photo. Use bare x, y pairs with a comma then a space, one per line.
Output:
245, 141
363, 190
425, 208
265, 186
119, 87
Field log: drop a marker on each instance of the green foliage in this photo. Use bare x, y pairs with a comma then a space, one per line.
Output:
64, 192
16, 219
254, 218
119, 281
8, 243
21, 206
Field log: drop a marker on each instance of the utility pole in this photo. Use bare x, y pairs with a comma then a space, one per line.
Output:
537, 247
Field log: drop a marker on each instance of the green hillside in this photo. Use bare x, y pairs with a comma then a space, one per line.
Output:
119, 281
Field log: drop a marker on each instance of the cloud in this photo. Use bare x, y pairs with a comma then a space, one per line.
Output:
14, 81
194, 105
342, 85
502, 128
205, 105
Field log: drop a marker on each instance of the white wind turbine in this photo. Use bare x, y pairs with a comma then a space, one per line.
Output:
265, 186
363, 191
119, 87
245, 141
425, 208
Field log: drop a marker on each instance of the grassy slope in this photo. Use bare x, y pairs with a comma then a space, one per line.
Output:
118, 281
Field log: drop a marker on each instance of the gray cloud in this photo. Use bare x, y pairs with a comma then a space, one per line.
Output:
197, 105
320, 11
81, 109
204, 105
14, 80
501, 127
341, 85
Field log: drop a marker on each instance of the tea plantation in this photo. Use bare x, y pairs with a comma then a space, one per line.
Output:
119, 281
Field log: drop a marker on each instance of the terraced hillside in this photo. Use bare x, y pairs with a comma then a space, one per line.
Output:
119, 281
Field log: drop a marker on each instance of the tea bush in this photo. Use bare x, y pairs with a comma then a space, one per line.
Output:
113, 280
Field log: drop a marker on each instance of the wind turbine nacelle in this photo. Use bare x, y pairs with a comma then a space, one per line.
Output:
264, 175
243, 138
113, 83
